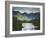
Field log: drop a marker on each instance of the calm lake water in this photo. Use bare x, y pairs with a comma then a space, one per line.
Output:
28, 26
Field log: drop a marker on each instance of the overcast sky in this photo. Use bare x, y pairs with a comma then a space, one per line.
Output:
26, 9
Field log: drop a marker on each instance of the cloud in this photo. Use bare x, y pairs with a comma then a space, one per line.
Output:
26, 10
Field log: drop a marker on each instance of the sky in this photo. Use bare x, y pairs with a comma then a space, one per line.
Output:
28, 10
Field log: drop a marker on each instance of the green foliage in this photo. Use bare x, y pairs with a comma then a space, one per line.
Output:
17, 25
36, 22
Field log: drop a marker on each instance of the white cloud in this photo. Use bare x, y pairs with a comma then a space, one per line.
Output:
27, 10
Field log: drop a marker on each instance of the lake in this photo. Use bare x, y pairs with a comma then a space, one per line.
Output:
28, 26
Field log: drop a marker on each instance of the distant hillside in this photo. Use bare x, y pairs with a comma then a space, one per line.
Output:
25, 16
